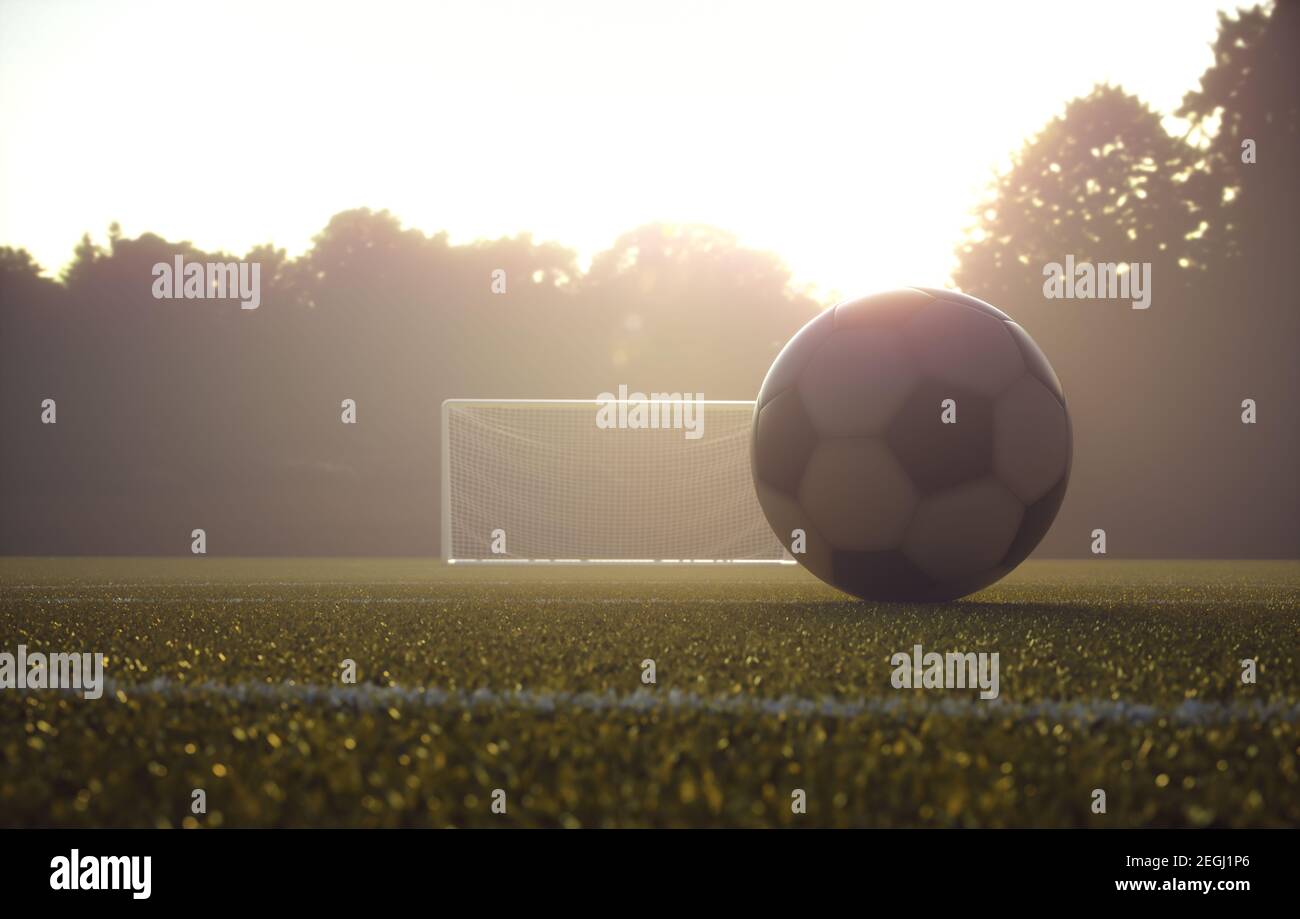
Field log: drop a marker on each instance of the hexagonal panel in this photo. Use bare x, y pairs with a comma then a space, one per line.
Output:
783, 440
962, 345
1036, 361
890, 309
857, 381
1031, 439
966, 300
964, 531
794, 357
856, 494
785, 515
936, 455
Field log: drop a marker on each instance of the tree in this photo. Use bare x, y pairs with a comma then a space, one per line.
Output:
1245, 116
1106, 183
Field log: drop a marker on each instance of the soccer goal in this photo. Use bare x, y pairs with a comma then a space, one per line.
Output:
623, 480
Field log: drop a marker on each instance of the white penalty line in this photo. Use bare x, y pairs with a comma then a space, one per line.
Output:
433, 601
905, 705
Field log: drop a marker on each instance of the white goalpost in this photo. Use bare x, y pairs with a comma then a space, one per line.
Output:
581, 480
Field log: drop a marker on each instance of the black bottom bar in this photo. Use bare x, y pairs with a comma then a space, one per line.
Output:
923, 868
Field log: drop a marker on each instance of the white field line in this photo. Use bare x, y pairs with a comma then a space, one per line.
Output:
639, 582
152, 584
906, 704
424, 601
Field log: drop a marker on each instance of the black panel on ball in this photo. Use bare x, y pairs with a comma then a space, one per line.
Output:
783, 440
938, 455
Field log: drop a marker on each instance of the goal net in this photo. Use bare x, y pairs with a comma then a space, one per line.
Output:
532, 480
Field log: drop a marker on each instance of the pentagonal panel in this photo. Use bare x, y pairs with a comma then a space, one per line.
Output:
965, 300
958, 344
887, 310
856, 494
783, 440
785, 516
1036, 361
938, 455
1037, 521
888, 575
964, 531
857, 381
795, 355
1031, 439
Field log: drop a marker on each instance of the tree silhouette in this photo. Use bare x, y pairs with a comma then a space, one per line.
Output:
1156, 395
1252, 91
1252, 94
181, 413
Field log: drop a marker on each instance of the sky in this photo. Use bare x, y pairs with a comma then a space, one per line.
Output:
853, 139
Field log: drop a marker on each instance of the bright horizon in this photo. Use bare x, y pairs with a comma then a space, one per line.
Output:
854, 141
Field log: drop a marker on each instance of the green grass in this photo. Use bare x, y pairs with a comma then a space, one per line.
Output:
1123, 676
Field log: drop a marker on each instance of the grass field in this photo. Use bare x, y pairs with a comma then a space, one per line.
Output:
225, 676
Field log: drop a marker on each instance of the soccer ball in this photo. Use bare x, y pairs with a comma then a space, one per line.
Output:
911, 446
